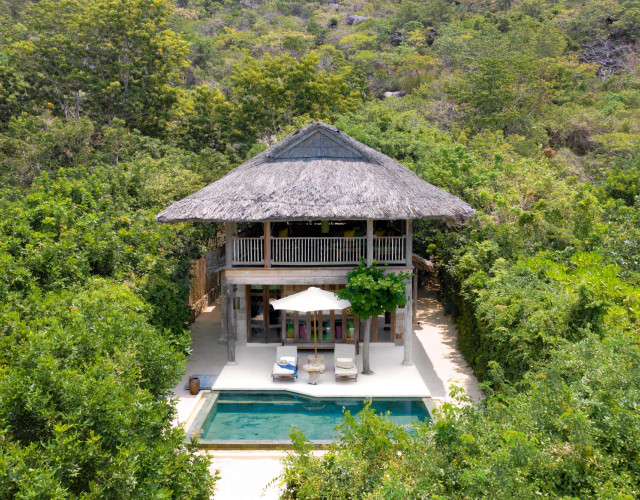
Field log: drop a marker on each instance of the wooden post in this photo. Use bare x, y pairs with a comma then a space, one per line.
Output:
332, 326
369, 242
267, 244
229, 233
408, 327
409, 244
223, 308
283, 320
415, 293
231, 340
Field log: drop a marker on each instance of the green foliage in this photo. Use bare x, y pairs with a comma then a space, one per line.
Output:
94, 312
528, 110
199, 120
624, 182
363, 463
372, 291
276, 93
82, 392
501, 94
571, 432
104, 59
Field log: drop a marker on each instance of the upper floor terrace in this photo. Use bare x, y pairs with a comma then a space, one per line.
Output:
332, 243
318, 198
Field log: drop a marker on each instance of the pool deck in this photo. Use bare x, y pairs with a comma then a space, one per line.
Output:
247, 473
389, 379
437, 364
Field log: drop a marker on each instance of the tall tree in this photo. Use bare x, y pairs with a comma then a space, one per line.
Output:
103, 58
372, 292
273, 93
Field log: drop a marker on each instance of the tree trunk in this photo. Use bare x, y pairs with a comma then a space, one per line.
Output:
366, 369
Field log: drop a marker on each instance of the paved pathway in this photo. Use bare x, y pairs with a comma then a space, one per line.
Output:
246, 474
436, 355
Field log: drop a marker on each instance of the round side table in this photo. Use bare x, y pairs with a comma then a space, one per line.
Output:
314, 372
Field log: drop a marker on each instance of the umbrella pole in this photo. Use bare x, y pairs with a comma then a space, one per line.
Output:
315, 337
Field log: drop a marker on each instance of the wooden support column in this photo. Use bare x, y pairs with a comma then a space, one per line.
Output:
230, 229
267, 244
369, 242
223, 308
408, 326
411, 298
231, 325
409, 244
415, 293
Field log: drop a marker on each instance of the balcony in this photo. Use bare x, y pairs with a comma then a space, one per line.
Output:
316, 251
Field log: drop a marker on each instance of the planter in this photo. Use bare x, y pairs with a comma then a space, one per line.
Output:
194, 385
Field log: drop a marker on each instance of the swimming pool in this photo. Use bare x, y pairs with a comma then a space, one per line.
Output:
262, 417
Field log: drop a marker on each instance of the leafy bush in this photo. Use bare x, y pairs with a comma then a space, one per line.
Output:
82, 400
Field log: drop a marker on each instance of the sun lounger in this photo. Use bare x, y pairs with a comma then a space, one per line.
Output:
286, 365
344, 362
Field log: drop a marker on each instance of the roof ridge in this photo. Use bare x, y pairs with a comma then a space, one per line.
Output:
297, 136
367, 153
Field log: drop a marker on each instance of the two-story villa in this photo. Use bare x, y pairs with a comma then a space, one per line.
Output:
303, 213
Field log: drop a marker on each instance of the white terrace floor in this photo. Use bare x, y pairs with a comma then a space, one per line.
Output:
390, 377
437, 363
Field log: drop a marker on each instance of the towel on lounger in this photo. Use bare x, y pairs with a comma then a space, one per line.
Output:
290, 367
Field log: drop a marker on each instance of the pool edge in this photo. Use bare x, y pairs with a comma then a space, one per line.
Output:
193, 426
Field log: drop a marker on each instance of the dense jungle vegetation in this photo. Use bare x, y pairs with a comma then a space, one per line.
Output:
527, 109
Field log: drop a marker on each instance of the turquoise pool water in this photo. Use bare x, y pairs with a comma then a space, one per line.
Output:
260, 416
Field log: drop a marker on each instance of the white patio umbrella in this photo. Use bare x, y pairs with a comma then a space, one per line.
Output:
312, 299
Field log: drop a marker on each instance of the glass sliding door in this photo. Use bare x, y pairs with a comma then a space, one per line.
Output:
265, 323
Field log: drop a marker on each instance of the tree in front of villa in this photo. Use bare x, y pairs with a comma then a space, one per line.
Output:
372, 292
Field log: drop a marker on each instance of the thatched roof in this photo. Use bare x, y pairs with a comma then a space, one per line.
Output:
317, 173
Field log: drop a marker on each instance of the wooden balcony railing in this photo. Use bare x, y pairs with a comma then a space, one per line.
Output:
390, 249
321, 251
248, 251
317, 251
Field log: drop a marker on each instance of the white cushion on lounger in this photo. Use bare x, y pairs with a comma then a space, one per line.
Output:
344, 362
343, 372
278, 370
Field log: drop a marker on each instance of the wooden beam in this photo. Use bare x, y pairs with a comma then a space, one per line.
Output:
265, 311
267, 244
228, 240
369, 242
422, 263
284, 276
